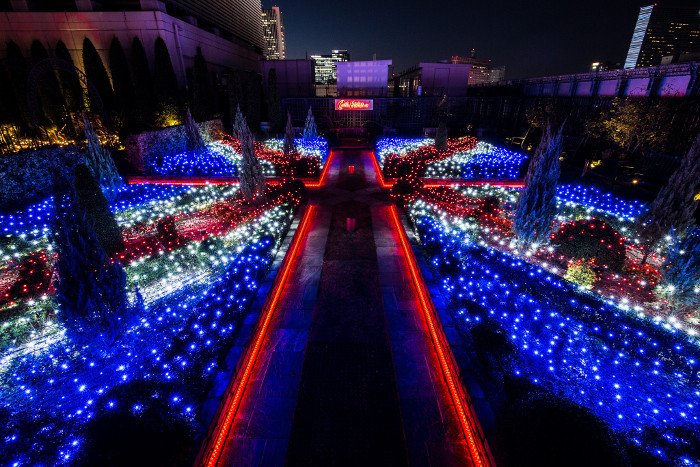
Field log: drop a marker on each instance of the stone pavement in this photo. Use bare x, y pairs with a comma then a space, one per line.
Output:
357, 382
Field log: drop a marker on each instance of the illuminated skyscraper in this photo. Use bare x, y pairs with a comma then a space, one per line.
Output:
663, 31
273, 31
325, 71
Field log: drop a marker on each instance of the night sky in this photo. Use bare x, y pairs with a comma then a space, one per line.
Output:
530, 38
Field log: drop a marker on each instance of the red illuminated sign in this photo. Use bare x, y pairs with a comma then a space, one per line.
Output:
354, 104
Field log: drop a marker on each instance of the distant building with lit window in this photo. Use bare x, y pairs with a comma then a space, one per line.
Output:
662, 31
363, 79
325, 69
482, 71
273, 32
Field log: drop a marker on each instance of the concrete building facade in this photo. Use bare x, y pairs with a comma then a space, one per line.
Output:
147, 20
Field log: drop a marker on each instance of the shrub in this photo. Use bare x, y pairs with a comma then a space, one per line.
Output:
168, 234
405, 189
581, 274
544, 430
139, 423
592, 240
307, 166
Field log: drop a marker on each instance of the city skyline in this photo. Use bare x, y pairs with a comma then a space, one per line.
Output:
552, 38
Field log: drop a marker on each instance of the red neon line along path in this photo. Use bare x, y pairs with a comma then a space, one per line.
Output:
348, 362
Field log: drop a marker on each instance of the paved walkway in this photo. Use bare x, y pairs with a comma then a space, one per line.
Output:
348, 373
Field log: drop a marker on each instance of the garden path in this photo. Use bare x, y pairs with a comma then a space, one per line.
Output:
347, 372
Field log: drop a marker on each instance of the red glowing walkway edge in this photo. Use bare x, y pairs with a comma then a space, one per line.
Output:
213, 445
468, 420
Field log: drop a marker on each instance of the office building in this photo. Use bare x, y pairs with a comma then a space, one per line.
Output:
363, 79
482, 71
325, 69
662, 31
273, 32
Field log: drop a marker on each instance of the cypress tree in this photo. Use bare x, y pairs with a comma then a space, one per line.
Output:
100, 161
95, 208
310, 131
251, 176
441, 136
70, 86
201, 88
18, 74
124, 94
274, 106
537, 206
143, 84
9, 110
253, 92
674, 206
96, 72
167, 91
48, 88
289, 145
194, 138
90, 288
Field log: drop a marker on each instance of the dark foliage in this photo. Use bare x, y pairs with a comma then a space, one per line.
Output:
543, 430
441, 135
94, 205
167, 91
125, 96
307, 166
592, 240
143, 84
48, 88
33, 279
96, 72
405, 189
168, 234
90, 288
274, 105
202, 94
18, 73
70, 86
292, 189
139, 423
396, 166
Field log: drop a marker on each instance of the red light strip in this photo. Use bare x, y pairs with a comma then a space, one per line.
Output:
211, 452
380, 175
470, 425
322, 178
506, 183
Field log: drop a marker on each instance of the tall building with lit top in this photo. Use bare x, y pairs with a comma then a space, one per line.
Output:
325, 68
663, 31
273, 32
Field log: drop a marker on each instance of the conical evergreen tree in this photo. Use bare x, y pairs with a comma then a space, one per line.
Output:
90, 288
674, 206
100, 162
94, 206
71, 88
194, 138
537, 206
96, 72
143, 84
19, 72
48, 89
310, 131
441, 136
251, 175
289, 145
9, 110
202, 96
274, 106
167, 91
124, 93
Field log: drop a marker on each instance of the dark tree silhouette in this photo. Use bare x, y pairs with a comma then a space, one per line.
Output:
143, 84
167, 91
96, 72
